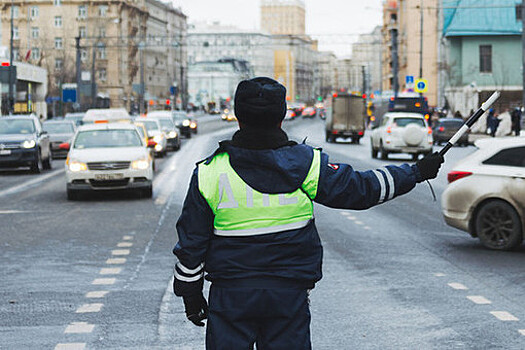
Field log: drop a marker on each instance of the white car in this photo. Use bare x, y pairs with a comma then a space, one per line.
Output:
486, 193
402, 132
156, 134
108, 157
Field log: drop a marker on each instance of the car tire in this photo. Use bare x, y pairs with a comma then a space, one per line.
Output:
47, 164
415, 156
384, 154
327, 137
147, 192
72, 195
498, 226
374, 152
36, 166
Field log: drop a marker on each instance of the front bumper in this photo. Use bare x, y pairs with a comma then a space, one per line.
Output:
109, 180
18, 157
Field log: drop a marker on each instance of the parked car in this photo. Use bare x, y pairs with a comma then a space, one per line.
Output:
486, 193
401, 132
168, 126
75, 117
155, 134
110, 156
59, 131
445, 128
182, 122
23, 142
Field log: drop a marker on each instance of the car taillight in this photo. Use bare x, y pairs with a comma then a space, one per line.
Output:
388, 130
429, 130
360, 133
456, 175
441, 129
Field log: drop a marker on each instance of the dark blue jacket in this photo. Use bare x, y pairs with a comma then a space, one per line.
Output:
292, 257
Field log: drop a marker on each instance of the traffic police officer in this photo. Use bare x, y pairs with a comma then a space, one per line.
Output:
248, 222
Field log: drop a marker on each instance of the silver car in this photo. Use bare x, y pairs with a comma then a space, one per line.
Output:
486, 193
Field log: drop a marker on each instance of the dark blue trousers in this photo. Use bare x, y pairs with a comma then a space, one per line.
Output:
273, 319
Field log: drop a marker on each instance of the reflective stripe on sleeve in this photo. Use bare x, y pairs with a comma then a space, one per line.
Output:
188, 279
190, 271
381, 180
263, 230
391, 185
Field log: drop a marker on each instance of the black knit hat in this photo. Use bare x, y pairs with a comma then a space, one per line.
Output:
260, 102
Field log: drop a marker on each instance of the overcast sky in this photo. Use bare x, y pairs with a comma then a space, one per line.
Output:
336, 23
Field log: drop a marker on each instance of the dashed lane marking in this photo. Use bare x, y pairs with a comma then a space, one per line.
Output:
103, 281
504, 316
127, 238
96, 307
125, 245
478, 299
120, 252
368, 228
359, 222
97, 294
457, 286
70, 346
439, 274
110, 271
79, 327
116, 261
521, 331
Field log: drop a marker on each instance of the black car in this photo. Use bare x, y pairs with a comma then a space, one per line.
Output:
23, 142
60, 131
183, 122
445, 128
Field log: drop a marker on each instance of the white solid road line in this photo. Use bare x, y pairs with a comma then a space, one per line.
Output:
478, 299
97, 294
110, 271
71, 346
120, 252
29, 183
103, 281
127, 238
504, 316
457, 286
96, 307
125, 245
439, 274
116, 261
522, 331
79, 327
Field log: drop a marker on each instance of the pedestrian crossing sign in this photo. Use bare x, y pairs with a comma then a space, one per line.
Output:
421, 85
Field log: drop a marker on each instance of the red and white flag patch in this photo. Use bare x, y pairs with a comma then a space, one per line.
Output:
333, 166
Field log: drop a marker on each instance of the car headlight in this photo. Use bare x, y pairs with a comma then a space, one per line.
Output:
29, 144
172, 135
186, 123
77, 166
157, 138
141, 164
193, 125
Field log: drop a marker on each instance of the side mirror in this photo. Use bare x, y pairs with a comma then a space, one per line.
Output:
65, 146
151, 144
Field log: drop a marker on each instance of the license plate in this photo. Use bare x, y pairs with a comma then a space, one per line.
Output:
109, 176
5, 152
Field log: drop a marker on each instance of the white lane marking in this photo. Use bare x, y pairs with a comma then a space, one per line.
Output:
110, 271
70, 346
116, 261
522, 331
368, 228
95, 307
458, 286
504, 316
439, 274
125, 245
97, 294
120, 252
12, 212
80, 327
161, 200
103, 281
478, 299
345, 213
30, 183
127, 238
359, 222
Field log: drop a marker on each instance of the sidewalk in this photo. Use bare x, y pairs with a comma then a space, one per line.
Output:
478, 136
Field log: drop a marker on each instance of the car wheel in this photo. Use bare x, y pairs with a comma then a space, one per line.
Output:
36, 166
498, 225
327, 137
177, 145
384, 154
374, 152
147, 192
72, 195
47, 164
415, 156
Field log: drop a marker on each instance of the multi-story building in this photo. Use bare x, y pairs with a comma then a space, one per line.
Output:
117, 55
366, 62
283, 17
327, 62
212, 42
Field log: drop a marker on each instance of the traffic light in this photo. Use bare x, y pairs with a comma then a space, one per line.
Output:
168, 102
320, 98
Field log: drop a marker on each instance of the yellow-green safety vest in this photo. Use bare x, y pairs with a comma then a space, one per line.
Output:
242, 211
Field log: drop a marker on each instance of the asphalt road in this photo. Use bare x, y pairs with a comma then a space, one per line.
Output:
96, 273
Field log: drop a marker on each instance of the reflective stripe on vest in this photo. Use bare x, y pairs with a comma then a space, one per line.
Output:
242, 211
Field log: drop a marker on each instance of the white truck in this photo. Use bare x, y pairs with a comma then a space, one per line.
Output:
345, 117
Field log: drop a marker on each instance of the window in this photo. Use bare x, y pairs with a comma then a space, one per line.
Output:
33, 12
102, 32
35, 32
519, 15
59, 45
15, 33
102, 52
82, 32
508, 157
16, 10
102, 10
58, 21
57, 2
485, 58
35, 53
59, 64
83, 55
102, 74
82, 11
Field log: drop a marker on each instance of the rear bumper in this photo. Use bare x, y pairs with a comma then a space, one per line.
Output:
456, 219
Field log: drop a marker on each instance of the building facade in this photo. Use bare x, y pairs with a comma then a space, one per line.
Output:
366, 63
283, 17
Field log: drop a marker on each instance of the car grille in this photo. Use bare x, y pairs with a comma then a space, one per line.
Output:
10, 145
108, 165
109, 183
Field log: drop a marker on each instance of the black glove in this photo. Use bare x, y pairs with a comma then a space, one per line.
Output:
196, 308
429, 166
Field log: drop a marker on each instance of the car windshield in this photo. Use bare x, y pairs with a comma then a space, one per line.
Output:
150, 124
107, 138
58, 128
17, 126
166, 123
74, 118
179, 116
141, 131
452, 123
405, 121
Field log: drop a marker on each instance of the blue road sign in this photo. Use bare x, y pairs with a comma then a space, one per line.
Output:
409, 79
69, 95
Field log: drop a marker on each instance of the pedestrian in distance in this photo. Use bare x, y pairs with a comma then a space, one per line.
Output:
516, 121
247, 222
492, 123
